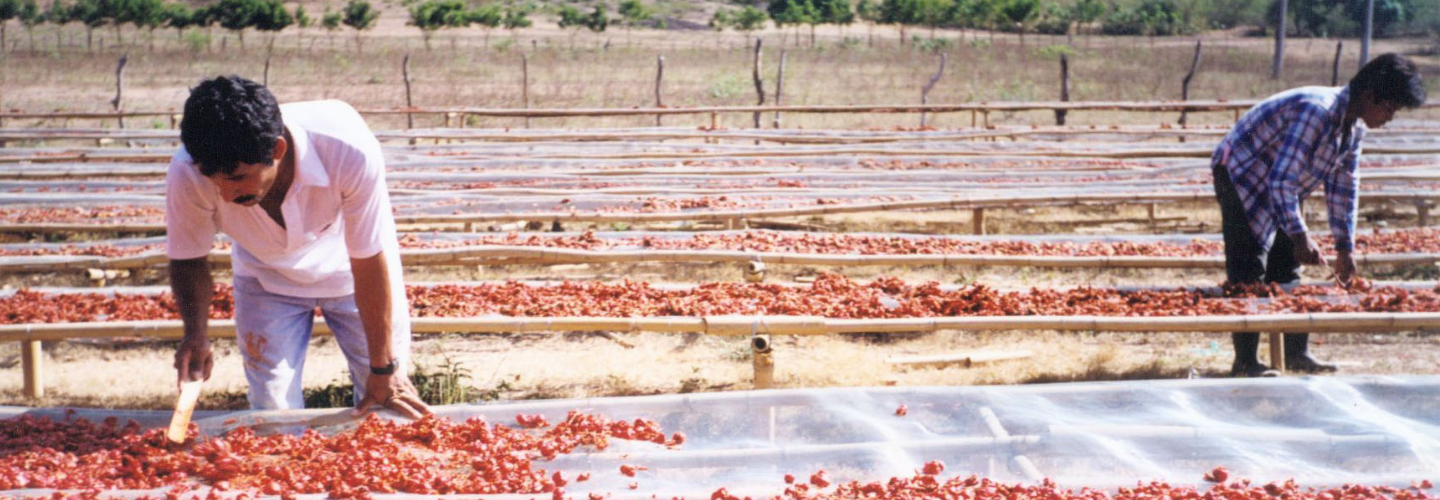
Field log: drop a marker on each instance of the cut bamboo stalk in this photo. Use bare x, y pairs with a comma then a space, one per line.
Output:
32, 360
967, 359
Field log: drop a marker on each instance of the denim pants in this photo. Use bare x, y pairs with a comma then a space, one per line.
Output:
1247, 262
273, 332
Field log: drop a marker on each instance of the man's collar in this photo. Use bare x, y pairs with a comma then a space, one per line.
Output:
308, 169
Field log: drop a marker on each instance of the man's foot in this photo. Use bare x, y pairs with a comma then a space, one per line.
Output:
1307, 364
1255, 369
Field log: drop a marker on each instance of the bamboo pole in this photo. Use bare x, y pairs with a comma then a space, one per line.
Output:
409, 103
925, 90
755, 75
525, 85
32, 361
1064, 88
1335, 66
779, 87
117, 102
1185, 83
659, 74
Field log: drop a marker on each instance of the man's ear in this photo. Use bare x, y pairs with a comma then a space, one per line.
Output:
280, 148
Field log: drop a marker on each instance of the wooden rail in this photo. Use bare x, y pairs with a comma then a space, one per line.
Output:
499, 254
976, 107
31, 335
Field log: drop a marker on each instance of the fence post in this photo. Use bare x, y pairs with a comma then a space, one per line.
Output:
779, 88
1064, 88
409, 104
925, 91
1335, 67
659, 74
120, 88
525, 84
266, 81
1185, 84
759, 85
33, 358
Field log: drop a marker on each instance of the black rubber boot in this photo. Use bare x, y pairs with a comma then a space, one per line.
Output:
1247, 362
1297, 356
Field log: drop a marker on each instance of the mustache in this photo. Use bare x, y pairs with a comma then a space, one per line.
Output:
245, 199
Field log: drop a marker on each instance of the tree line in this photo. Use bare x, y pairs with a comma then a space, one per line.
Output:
1141, 17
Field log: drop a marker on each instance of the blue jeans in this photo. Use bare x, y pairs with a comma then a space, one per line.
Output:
273, 332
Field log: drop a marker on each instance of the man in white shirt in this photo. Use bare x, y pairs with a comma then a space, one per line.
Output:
298, 188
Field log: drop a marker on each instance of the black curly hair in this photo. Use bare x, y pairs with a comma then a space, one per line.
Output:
228, 121
1393, 77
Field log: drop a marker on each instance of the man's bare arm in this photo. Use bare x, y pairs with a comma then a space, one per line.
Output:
194, 289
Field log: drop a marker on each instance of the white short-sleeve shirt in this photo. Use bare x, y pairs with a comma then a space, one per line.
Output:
337, 208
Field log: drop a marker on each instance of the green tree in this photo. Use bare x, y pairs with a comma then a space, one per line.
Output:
902, 13
1086, 12
302, 22
30, 15
272, 19
633, 13
598, 19
488, 16
178, 16
516, 18
934, 13
433, 15
719, 21
88, 12
58, 15
1388, 15
9, 9
147, 14
117, 13
331, 22
1020, 13
360, 16
236, 16
749, 19
571, 18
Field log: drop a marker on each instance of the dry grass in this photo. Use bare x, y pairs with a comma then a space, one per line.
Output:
702, 68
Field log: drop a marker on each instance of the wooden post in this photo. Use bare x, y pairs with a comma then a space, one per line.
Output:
1335, 67
1185, 84
977, 221
1150, 210
120, 88
759, 85
779, 88
659, 73
974, 118
1064, 88
525, 84
925, 91
714, 120
266, 81
763, 361
1277, 351
32, 358
409, 104
1422, 214
1277, 66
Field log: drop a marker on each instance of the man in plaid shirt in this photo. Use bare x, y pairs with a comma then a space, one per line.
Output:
1279, 152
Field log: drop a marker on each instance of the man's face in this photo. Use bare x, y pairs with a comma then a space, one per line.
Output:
1376, 113
250, 182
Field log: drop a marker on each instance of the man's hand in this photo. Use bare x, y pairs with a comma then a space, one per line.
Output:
394, 392
193, 359
1306, 250
1344, 268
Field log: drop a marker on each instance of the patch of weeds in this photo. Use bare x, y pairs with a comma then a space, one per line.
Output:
442, 385
727, 86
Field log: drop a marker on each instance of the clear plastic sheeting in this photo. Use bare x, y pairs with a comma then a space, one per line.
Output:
1323, 431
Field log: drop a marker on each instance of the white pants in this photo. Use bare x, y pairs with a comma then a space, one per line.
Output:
274, 332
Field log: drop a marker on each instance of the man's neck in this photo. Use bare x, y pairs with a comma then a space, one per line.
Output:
286, 176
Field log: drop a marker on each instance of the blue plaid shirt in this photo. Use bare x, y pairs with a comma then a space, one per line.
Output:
1286, 146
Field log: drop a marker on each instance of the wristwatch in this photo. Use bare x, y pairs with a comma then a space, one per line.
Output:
388, 369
